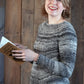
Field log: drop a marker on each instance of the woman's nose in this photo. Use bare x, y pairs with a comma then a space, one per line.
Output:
53, 1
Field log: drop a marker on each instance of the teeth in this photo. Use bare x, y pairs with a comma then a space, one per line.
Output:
53, 8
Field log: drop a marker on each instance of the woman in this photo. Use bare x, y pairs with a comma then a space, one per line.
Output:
55, 47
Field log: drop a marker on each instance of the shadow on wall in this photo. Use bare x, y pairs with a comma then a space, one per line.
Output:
1, 55
1, 17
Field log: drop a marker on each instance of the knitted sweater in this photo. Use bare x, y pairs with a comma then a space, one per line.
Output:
56, 45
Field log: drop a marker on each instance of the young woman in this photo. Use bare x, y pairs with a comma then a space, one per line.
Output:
55, 47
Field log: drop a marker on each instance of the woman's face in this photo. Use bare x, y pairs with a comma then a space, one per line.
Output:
54, 7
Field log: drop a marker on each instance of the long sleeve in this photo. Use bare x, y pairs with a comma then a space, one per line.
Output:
67, 45
56, 45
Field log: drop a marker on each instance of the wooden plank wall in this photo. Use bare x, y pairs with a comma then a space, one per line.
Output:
20, 25
13, 20
38, 17
23, 18
27, 32
12, 32
77, 19
31, 18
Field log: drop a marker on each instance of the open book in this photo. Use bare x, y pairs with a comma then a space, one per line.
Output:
7, 46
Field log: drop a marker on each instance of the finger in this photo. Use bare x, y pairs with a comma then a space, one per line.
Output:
17, 51
24, 59
16, 43
18, 55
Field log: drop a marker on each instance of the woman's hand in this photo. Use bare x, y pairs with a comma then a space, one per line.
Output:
25, 55
20, 46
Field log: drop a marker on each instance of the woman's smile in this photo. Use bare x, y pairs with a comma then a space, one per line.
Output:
52, 8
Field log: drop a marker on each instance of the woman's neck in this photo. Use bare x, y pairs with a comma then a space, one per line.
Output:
55, 20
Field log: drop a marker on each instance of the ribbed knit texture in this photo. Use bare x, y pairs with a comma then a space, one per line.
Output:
56, 45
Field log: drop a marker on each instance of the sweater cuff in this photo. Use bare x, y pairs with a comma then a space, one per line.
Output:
40, 59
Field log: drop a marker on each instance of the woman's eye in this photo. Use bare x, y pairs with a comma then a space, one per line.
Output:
58, 0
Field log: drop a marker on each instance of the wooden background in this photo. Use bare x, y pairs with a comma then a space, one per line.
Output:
77, 19
1, 33
21, 24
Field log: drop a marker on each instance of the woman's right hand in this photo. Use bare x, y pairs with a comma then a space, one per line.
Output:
20, 46
25, 55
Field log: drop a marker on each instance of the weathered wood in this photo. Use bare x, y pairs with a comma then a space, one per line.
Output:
13, 20
25, 73
12, 72
12, 32
82, 18
17, 72
80, 54
78, 77
21, 25
27, 23
78, 23
1, 3
76, 17
38, 17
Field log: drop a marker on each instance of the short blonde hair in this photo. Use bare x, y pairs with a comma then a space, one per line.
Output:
65, 13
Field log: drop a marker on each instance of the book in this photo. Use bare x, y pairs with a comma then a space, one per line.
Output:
6, 46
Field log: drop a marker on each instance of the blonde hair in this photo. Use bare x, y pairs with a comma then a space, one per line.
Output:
65, 13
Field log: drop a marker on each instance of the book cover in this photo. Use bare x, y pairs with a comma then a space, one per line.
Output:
7, 46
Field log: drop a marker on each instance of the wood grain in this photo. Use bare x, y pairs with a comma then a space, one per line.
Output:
38, 17
21, 25
13, 20
12, 72
2, 3
78, 23
27, 23
25, 73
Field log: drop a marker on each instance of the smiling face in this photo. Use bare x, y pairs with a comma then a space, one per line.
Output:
54, 7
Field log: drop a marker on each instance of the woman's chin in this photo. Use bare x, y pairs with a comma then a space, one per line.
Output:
53, 15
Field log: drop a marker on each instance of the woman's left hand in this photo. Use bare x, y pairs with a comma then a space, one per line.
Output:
25, 55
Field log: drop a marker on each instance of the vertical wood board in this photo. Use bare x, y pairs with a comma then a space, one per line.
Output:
27, 22
13, 20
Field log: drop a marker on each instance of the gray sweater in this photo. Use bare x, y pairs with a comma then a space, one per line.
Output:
56, 45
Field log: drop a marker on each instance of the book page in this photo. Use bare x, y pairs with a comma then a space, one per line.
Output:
4, 41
